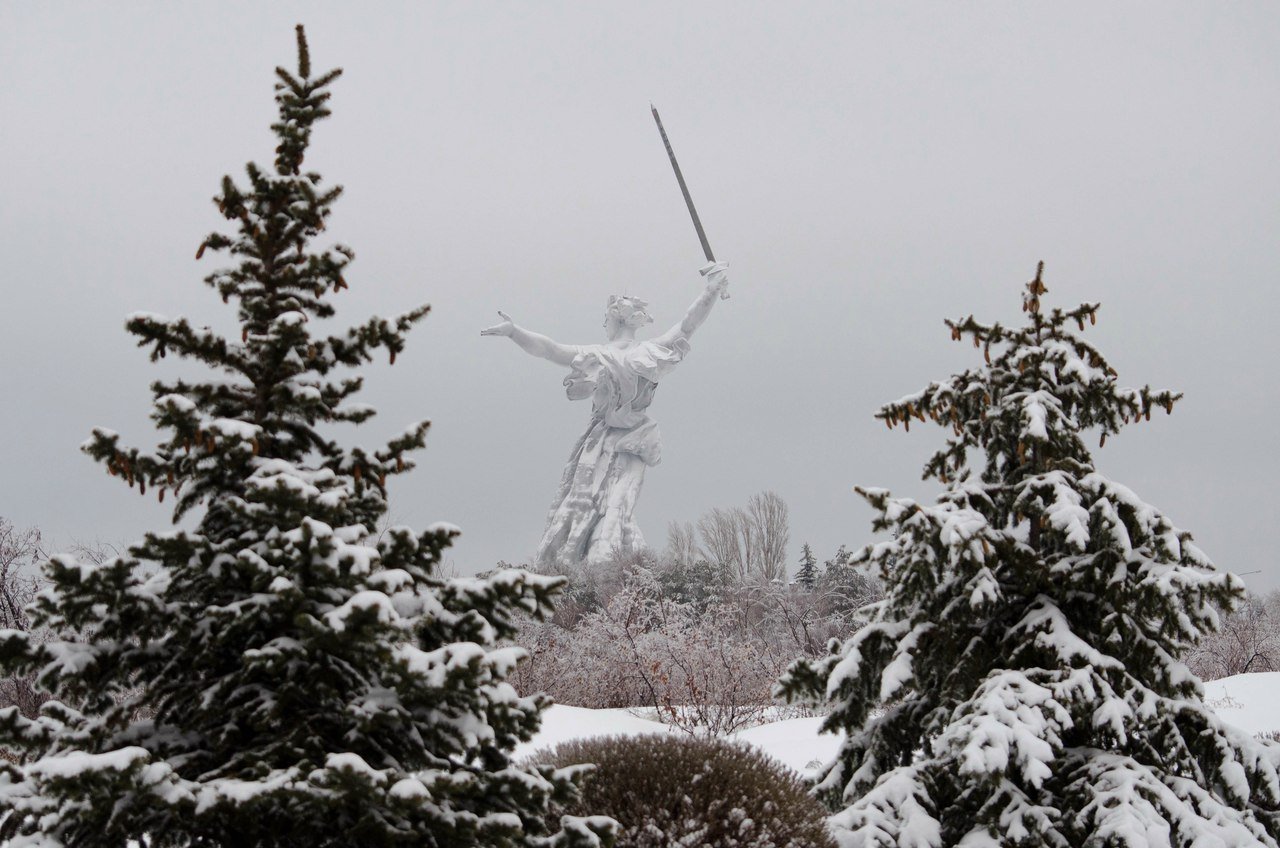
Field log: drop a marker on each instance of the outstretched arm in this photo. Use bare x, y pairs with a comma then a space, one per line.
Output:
717, 274
532, 343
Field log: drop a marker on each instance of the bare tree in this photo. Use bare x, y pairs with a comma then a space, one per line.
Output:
682, 543
1248, 641
771, 527
721, 542
751, 543
19, 582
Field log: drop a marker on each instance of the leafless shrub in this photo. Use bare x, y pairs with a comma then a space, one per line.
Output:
19, 583
693, 666
1248, 641
699, 633
703, 657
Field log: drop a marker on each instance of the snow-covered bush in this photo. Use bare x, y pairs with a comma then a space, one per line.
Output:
703, 665
19, 553
676, 635
307, 682
1248, 640
1021, 684
693, 792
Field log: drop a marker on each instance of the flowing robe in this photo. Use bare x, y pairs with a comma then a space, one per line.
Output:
592, 517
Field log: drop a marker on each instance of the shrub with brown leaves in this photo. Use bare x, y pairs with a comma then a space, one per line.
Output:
693, 792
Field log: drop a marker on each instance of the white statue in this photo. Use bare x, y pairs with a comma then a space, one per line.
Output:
592, 517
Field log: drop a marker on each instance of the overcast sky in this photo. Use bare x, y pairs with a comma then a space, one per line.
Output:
867, 169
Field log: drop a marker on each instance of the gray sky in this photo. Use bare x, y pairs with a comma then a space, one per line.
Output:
868, 169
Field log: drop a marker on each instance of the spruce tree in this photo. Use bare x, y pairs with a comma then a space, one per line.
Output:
1021, 682
807, 575
281, 674
835, 566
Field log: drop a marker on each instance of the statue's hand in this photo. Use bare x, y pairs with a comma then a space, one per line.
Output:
503, 329
717, 274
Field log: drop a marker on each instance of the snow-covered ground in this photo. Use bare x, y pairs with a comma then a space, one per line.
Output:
563, 724
1251, 702
795, 742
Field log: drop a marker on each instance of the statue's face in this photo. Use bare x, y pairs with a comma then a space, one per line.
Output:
625, 312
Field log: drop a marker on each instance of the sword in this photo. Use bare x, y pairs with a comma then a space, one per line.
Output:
684, 189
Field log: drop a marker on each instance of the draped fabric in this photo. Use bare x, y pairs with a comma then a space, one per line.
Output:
592, 516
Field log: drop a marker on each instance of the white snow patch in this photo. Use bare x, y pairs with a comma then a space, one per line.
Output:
561, 723
795, 742
1246, 701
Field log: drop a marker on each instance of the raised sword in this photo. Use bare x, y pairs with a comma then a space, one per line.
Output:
684, 189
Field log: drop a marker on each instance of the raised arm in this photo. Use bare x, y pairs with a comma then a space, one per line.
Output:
717, 274
533, 343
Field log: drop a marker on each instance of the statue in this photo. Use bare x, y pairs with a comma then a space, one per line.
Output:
592, 518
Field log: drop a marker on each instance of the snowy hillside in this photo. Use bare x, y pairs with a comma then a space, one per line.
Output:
1248, 701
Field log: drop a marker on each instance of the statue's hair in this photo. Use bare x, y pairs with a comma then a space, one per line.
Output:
621, 305
621, 300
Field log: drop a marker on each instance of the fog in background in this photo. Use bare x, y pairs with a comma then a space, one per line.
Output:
867, 169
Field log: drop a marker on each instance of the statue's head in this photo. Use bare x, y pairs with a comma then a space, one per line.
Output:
625, 311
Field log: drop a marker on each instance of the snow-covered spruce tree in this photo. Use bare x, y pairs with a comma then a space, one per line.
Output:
1021, 682
807, 574
310, 684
